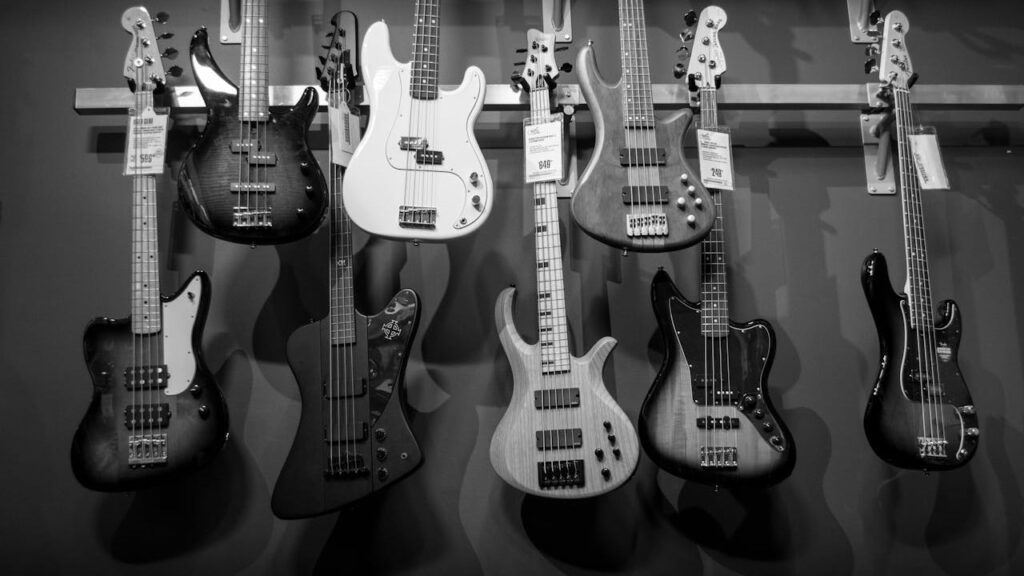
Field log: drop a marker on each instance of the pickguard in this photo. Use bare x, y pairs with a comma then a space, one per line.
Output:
179, 320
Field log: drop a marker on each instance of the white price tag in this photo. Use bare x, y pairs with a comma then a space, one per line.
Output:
345, 135
147, 144
542, 147
715, 159
931, 174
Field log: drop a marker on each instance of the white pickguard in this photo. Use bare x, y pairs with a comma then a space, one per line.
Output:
179, 320
382, 177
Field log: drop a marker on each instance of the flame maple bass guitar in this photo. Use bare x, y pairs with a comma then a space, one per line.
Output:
708, 416
353, 438
920, 414
563, 436
418, 173
156, 411
636, 192
251, 177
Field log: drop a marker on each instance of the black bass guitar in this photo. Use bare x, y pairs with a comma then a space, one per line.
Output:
155, 410
920, 414
708, 416
353, 437
251, 177
637, 192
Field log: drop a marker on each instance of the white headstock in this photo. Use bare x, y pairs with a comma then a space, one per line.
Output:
895, 67
707, 60
143, 65
540, 65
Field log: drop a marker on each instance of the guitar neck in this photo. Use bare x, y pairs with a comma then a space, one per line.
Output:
146, 313
253, 89
425, 48
552, 327
918, 286
714, 310
343, 322
637, 101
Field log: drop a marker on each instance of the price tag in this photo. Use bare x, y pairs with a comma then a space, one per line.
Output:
345, 135
542, 147
924, 147
715, 150
147, 144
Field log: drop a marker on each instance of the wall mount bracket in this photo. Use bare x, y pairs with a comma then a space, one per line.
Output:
230, 28
878, 166
862, 30
558, 19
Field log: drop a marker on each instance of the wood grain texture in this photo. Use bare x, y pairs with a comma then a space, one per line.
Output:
99, 451
514, 453
893, 418
300, 201
597, 202
302, 489
668, 416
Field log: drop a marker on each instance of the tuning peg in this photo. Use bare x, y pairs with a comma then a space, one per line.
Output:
872, 50
326, 46
679, 71
519, 63
520, 50
565, 67
319, 72
871, 66
170, 53
322, 60
515, 76
174, 71
166, 35
690, 17
875, 17
162, 17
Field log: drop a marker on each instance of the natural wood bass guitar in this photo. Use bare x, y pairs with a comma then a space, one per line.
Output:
156, 411
563, 436
708, 416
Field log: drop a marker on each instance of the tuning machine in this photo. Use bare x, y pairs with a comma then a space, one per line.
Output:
169, 53
174, 71
162, 18
871, 66
690, 17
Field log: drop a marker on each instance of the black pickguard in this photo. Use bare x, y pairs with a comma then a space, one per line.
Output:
299, 202
390, 450
751, 349
99, 455
893, 419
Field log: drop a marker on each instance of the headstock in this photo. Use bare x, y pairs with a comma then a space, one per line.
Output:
707, 60
895, 68
540, 70
143, 65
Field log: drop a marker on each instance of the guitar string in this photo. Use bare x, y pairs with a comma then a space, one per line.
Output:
245, 140
334, 459
628, 113
262, 145
648, 152
413, 76
434, 39
137, 272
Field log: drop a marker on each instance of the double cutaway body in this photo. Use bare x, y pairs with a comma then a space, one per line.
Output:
155, 410
708, 416
418, 173
920, 414
250, 181
353, 437
641, 176
563, 436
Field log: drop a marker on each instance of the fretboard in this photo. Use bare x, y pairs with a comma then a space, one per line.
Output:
918, 286
637, 102
552, 327
253, 89
343, 325
425, 48
714, 311
146, 313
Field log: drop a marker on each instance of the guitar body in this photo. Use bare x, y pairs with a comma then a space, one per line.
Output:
382, 177
197, 424
669, 431
597, 204
389, 451
514, 451
299, 202
893, 419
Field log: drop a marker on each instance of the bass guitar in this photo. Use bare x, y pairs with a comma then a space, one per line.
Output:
920, 414
637, 192
708, 416
353, 438
156, 411
563, 436
251, 177
418, 174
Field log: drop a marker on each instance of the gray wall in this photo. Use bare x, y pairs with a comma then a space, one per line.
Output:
799, 225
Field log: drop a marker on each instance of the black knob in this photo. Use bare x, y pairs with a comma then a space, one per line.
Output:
599, 453
204, 411
607, 425
776, 440
382, 473
310, 191
758, 413
382, 454
870, 65
606, 473
195, 390
747, 402
380, 434
617, 453
690, 18
565, 67
768, 426
679, 70
304, 166
611, 439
